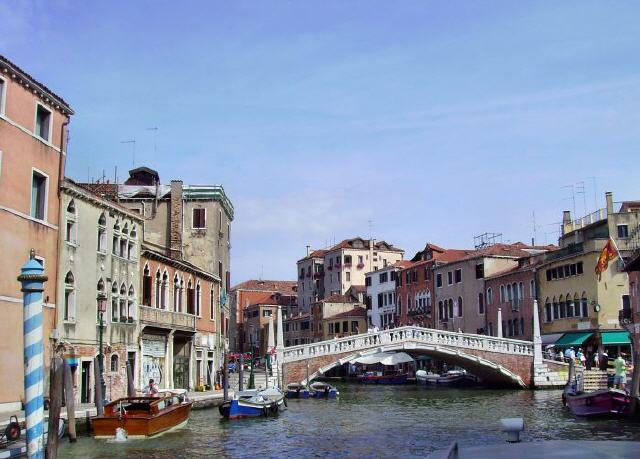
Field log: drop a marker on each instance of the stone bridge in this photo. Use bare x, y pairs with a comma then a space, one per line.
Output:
496, 360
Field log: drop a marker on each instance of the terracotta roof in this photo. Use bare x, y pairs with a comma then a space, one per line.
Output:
630, 206
283, 287
104, 190
534, 261
379, 245
359, 288
315, 254
272, 299
497, 250
401, 264
340, 299
304, 315
355, 312
4, 62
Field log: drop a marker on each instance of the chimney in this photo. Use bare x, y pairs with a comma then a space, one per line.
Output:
175, 223
609, 197
566, 222
308, 250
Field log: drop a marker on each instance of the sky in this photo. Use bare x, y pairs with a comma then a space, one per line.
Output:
407, 121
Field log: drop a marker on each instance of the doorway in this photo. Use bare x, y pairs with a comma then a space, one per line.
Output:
85, 386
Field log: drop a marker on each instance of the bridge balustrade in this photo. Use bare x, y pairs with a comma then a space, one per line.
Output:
409, 334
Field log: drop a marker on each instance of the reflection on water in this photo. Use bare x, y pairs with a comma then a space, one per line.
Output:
368, 421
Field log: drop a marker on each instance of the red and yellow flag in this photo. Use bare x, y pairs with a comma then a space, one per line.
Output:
608, 254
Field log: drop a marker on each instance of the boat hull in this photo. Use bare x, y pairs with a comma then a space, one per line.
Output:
323, 390
298, 393
384, 379
142, 426
598, 403
447, 381
238, 409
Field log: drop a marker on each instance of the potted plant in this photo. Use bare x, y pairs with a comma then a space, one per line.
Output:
130, 319
360, 265
123, 319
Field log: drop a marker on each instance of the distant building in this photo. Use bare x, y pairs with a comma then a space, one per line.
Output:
33, 144
99, 261
347, 323
297, 329
460, 285
310, 279
572, 298
258, 291
322, 311
415, 284
630, 317
382, 310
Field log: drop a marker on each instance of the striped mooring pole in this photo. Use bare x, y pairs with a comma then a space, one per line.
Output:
32, 278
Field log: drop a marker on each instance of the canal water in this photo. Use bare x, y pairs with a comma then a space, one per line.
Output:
368, 421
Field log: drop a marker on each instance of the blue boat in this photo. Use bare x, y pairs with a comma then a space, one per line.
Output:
323, 390
296, 390
253, 403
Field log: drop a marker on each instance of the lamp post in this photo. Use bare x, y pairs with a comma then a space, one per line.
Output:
102, 308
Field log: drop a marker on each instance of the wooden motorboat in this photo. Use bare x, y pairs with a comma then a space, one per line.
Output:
143, 416
323, 390
379, 377
453, 378
603, 402
253, 403
297, 390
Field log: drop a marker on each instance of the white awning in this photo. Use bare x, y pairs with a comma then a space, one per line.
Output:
385, 358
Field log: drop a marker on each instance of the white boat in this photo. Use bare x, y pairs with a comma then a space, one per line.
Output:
453, 378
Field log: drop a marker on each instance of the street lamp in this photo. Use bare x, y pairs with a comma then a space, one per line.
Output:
102, 308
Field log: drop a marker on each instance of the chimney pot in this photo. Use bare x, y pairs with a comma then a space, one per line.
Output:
609, 197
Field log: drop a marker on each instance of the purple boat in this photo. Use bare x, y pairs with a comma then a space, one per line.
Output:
604, 402
373, 377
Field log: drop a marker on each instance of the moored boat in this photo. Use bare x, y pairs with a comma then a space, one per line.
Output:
323, 390
604, 402
253, 403
297, 390
142, 416
453, 378
378, 377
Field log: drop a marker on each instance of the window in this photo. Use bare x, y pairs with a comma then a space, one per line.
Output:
579, 267
459, 306
69, 312
439, 280
331, 328
450, 277
480, 271
102, 233
198, 299
348, 276
71, 232
146, 286
3, 94
176, 293
367, 281
458, 276
163, 293
532, 289
114, 362
354, 326
502, 297
114, 302
43, 122
450, 307
480, 303
547, 310
623, 231
38, 195
383, 278
199, 218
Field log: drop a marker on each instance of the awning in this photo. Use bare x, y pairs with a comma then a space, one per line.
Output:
551, 338
385, 358
574, 338
615, 337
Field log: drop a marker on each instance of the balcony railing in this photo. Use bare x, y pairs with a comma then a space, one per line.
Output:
167, 319
625, 316
561, 253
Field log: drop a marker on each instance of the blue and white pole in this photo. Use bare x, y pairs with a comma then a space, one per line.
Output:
32, 278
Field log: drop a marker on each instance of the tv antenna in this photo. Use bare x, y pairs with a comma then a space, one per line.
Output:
155, 139
133, 142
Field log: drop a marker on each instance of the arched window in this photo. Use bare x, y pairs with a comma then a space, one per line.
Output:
441, 310
451, 307
71, 228
509, 293
522, 332
125, 229
114, 302
123, 303
480, 303
576, 305
489, 296
69, 297
176, 292
102, 233
198, 300
100, 286
502, 297
491, 329
556, 309
191, 303
570, 306
585, 305
547, 310
165, 287
116, 238
459, 306
158, 289
520, 291
181, 297
114, 362
147, 285
510, 325
212, 298
562, 306
131, 303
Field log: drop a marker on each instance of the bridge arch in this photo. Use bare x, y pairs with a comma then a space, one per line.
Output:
490, 372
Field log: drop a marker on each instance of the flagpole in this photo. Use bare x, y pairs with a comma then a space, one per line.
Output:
616, 247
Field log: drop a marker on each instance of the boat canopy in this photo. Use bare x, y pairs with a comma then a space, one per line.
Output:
385, 358
574, 338
615, 337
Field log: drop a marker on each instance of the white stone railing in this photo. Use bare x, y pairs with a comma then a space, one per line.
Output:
416, 335
171, 319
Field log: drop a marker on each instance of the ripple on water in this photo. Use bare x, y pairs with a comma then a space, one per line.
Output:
368, 421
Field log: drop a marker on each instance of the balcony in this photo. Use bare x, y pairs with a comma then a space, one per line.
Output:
167, 319
565, 252
625, 316
360, 266
420, 311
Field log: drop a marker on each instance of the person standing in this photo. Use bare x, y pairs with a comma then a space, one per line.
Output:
620, 378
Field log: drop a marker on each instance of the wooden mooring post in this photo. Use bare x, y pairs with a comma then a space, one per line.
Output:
98, 391
55, 403
70, 401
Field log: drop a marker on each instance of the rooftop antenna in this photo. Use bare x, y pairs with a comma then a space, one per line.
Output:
155, 138
580, 189
595, 192
133, 142
573, 197
370, 226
